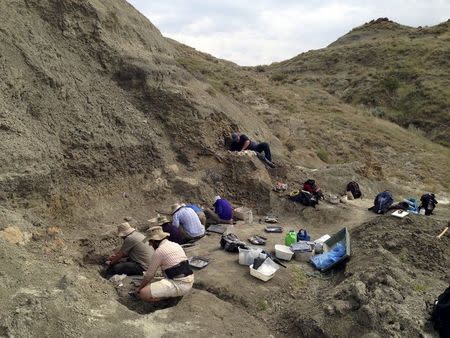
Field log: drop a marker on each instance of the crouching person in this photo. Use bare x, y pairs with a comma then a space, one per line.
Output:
137, 253
222, 214
172, 260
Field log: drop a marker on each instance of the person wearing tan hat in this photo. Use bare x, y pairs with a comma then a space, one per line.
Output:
171, 258
186, 221
137, 253
166, 224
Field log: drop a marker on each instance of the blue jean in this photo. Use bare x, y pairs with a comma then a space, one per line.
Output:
263, 147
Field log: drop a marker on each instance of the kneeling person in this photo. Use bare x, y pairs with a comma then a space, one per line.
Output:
187, 222
172, 260
222, 214
138, 253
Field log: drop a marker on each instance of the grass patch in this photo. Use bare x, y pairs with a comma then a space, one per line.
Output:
298, 279
403, 257
323, 155
419, 288
263, 305
278, 77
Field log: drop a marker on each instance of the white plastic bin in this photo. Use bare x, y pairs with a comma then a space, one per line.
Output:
283, 252
266, 271
246, 257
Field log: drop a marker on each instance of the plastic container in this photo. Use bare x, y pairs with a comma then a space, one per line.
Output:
303, 250
291, 238
400, 213
322, 239
247, 256
283, 252
266, 271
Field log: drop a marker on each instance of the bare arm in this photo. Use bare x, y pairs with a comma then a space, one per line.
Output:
116, 257
152, 268
245, 146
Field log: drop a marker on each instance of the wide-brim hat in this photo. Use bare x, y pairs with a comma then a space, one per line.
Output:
155, 233
158, 220
124, 229
174, 208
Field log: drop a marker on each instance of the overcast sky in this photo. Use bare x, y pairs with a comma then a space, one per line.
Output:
263, 31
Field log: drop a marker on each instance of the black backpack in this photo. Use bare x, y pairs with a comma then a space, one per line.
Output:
428, 202
382, 202
441, 314
232, 243
304, 197
353, 187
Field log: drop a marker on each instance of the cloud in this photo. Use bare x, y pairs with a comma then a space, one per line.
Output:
264, 31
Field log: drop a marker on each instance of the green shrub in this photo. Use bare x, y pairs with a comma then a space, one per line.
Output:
278, 77
322, 154
390, 84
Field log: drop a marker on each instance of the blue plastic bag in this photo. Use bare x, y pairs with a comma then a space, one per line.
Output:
325, 260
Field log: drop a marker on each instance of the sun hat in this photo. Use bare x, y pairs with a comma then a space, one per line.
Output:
155, 233
174, 208
124, 229
216, 198
158, 220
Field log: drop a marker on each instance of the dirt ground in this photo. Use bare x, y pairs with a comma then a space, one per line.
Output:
397, 269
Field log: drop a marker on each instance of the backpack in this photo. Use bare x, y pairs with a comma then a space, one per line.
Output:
428, 202
303, 235
232, 243
312, 187
353, 187
304, 197
440, 315
382, 202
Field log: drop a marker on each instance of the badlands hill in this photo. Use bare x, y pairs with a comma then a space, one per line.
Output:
101, 117
395, 72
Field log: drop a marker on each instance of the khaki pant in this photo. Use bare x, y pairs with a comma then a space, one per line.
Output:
168, 288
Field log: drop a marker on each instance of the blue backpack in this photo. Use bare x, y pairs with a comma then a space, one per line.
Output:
382, 202
302, 235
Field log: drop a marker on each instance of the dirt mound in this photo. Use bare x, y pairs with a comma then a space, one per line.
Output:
397, 269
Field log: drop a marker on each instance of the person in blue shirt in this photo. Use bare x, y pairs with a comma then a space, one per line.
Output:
187, 221
199, 211
222, 214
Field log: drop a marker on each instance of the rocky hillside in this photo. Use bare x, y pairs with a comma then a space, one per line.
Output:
395, 72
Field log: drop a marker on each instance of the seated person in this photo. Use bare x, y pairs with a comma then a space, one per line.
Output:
187, 223
241, 142
222, 214
172, 260
138, 253
166, 224
199, 211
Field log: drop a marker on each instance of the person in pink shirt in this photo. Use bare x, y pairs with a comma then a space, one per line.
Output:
171, 258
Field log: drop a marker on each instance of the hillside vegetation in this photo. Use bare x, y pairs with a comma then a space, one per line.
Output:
395, 72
